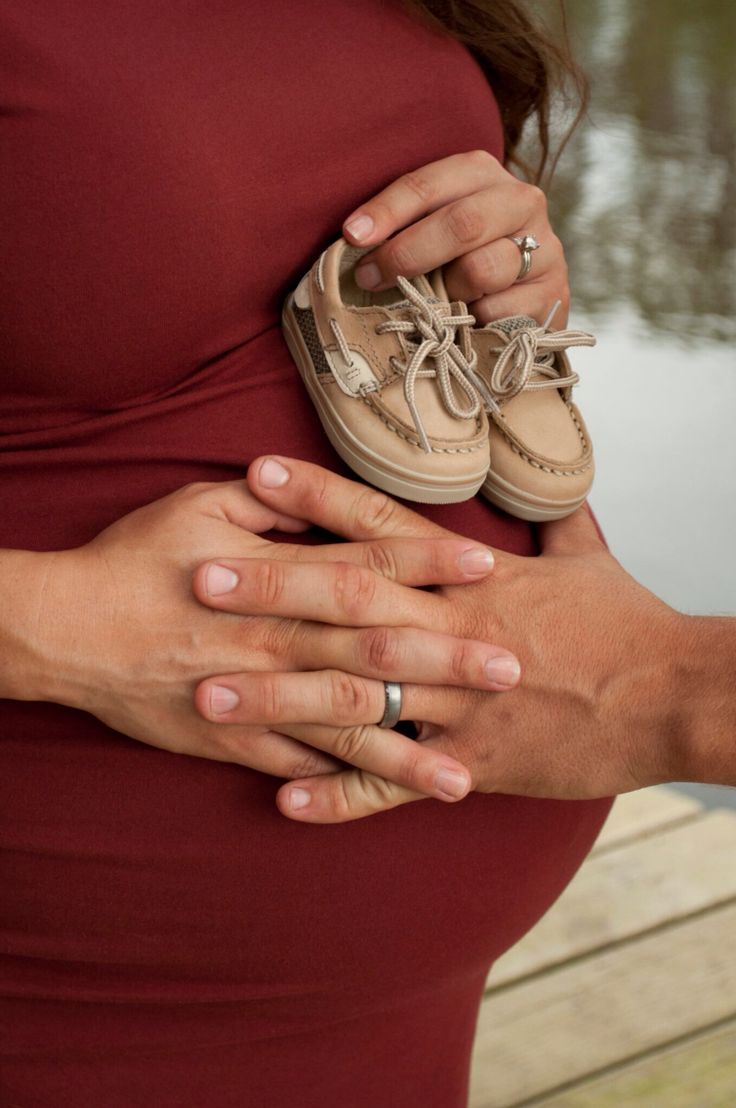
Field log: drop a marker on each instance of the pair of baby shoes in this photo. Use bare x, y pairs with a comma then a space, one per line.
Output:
426, 406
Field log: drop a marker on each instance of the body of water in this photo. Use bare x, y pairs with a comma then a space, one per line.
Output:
644, 199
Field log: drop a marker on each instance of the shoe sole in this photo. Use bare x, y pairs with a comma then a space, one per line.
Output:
364, 461
516, 502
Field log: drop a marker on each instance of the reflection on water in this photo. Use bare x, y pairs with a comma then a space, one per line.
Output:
645, 194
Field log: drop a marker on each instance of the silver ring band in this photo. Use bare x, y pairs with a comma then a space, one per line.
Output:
392, 710
526, 244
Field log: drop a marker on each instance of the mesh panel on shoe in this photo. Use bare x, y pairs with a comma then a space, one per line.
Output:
513, 323
305, 322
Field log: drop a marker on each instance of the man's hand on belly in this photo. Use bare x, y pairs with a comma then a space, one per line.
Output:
592, 715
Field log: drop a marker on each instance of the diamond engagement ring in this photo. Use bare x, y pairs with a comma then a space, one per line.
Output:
392, 710
526, 244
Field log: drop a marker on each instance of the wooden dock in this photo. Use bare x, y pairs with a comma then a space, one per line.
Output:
624, 995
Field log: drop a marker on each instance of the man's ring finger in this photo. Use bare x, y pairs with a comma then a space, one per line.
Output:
392, 709
527, 244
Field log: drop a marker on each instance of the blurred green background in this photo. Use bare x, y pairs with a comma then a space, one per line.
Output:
644, 199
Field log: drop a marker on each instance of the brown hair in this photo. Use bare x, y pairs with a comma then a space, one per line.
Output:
525, 63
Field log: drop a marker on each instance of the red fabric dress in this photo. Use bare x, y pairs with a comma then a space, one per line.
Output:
167, 939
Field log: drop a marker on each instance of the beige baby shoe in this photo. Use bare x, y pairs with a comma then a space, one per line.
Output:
390, 376
541, 456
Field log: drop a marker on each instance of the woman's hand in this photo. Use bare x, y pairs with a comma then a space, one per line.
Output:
126, 640
593, 713
456, 213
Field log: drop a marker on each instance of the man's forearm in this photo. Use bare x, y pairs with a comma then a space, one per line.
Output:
707, 695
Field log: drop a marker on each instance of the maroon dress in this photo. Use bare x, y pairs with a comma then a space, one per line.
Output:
167, 938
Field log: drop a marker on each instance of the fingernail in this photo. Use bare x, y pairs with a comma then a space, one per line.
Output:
451, 783
476, 561
361, 227
299, 798
368, 276
272, 474
503, 671
222, 700
219, 580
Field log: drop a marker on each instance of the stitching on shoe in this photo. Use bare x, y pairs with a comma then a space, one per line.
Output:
550, 469
412, 442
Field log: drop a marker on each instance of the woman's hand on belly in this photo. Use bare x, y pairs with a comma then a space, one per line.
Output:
601, 657
458, 213
123, 636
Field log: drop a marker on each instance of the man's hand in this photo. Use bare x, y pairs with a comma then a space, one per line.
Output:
591, 715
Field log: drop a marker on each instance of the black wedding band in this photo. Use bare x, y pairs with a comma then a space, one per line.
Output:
392, 710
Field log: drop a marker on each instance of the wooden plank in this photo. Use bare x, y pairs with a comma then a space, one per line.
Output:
630, 890
642, 812
701, 1072
605, 1009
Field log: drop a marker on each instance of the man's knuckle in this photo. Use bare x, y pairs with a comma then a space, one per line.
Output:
381, 649
268, 582
278, 638
465, 222
459, 662
268, 700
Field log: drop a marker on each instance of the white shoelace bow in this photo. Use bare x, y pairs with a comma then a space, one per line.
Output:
437, 341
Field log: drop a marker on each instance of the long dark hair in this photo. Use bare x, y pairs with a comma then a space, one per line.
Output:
526, 65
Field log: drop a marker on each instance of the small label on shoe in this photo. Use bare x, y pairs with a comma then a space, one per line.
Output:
353, 379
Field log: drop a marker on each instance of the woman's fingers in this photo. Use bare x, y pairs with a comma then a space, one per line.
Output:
344, 507
536, 299
405, 561
339, 593
415, 194
495, 266
455, 231
341, 797
401, 654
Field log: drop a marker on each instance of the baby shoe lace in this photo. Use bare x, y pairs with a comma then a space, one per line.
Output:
430, 335
528, 361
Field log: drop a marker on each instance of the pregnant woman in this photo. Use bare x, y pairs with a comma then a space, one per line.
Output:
168, 938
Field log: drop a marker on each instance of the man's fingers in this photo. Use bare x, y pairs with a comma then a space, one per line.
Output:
576, 534
402, 654
340, 797
343, 507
